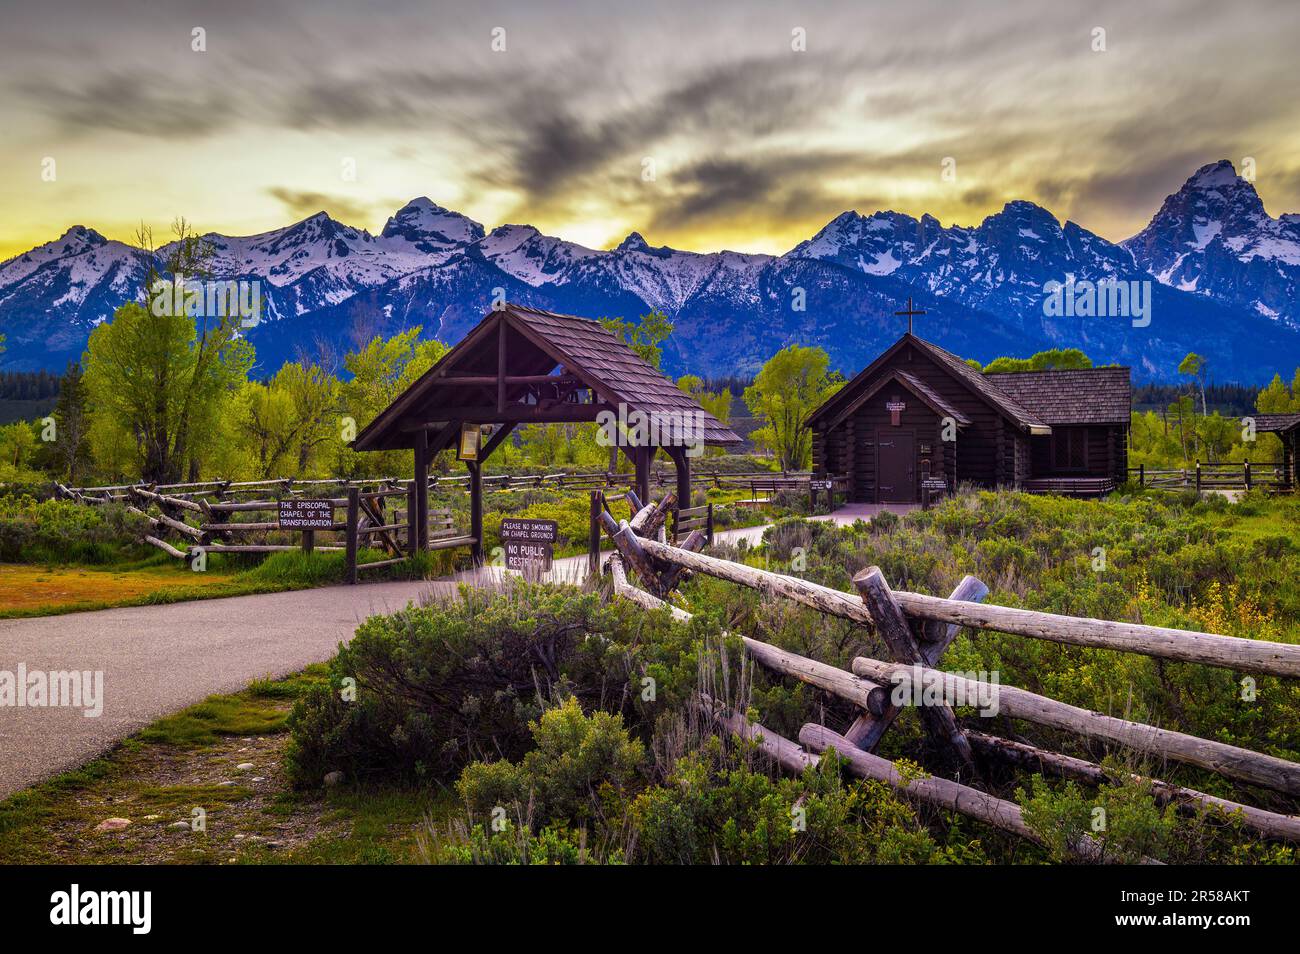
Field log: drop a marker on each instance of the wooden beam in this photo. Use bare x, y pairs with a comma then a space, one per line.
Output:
1230, 760
935, 637
891, 624
939, 791
487, 380
1229, 652
164, 546
476, 509
421, 492
501, 364
789, 755
630, 546
562, 412
495, 441
1023, 755
821, 598
353, 521
862, 692
651, 517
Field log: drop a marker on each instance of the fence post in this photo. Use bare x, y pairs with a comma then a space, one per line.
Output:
412, 518
1246, 472
593, 538
896, 632
1198, 476
354, 509
1142, 475
709, 524
308, 541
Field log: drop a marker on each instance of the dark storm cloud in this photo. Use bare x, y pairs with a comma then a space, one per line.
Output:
145, 105
388, 99
779, 184
302, 204
544, 145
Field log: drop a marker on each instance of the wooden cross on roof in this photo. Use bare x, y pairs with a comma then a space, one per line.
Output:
910, 312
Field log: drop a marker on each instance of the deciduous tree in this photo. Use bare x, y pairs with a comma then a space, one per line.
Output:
793, 383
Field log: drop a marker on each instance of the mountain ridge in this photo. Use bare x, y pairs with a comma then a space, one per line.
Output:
327, 285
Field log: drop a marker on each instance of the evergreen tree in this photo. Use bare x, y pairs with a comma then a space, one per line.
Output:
72, 424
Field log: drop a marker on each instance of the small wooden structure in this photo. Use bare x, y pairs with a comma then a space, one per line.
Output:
1287, 428
524, 366
919, 419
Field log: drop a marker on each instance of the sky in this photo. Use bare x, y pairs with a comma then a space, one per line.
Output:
712, 125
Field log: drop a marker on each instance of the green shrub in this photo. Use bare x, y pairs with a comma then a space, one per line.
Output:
61, 531
577, 759
440, 686
716, 808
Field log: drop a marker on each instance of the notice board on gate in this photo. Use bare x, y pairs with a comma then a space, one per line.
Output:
529, 544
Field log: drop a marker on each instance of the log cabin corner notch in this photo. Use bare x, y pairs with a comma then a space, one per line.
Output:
521, 365
919, 416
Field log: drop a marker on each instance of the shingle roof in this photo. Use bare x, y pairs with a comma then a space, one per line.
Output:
927, 393
1082, 396
580, 345
1276, 423
983, 385
587, 345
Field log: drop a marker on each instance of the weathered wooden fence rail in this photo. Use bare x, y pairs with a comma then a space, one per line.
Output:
1204, 475
217, 517
229, 490
916, 629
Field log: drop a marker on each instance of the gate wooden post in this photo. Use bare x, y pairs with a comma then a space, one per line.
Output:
593, 539
412, 520
476, 510
892, 625
354, 511
1198, 476
1246, 473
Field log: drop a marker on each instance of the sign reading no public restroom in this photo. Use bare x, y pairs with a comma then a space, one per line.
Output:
529, 544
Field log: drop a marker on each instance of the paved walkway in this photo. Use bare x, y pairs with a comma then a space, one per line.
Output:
158, 659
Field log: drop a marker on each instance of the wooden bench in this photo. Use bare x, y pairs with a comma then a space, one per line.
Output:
1070, 486
443, 534
693, 518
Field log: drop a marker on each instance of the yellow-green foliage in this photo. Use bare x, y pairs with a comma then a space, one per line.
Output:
578, 760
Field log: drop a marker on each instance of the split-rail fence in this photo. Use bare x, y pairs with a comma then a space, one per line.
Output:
916, 629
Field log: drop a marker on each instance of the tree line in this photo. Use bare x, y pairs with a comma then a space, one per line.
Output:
168, 394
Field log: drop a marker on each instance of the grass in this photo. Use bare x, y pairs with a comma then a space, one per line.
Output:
27, 590
159, 776
31, 590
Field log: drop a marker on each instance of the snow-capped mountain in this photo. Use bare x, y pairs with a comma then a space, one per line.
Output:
1213, 238
52, 296
1001, 265
327, 286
